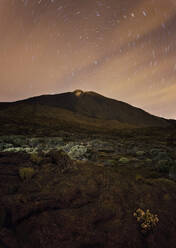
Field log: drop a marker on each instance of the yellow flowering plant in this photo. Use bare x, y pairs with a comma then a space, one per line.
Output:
146, 219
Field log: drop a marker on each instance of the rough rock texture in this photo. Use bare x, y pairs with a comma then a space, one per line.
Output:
82, 206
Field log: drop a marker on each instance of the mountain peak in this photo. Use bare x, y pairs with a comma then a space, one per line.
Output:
78, 92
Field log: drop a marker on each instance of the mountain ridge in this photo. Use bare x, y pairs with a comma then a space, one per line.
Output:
94, 105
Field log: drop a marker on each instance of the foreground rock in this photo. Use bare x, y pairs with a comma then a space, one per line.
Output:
78, 205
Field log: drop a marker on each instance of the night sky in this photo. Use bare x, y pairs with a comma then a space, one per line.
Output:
123, 49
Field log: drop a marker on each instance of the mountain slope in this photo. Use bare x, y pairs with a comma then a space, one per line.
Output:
91, 104
38, 119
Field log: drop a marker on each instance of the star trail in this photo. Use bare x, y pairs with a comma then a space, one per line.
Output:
122, 49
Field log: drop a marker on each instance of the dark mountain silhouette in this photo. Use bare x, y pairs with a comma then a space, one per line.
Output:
93, 105
89, 105
4, 105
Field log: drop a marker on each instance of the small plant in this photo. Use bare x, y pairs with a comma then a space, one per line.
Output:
148, 160
77, 152
164, 165
60, 159
111, 162
35, 158
140, 153
146, 220
139, 178
124, 160
26, 173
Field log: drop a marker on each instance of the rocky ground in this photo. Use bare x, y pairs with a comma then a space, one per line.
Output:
102, 151
80, 192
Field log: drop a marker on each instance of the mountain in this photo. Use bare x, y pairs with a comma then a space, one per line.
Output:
73, 111
94, 105
4, 105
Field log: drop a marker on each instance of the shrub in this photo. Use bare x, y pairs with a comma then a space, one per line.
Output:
164, 165
60, 159
146, 220
161, 156
155, 151
110, 162
140, 153
139, 178
124, 160
148, 161
35, 158
26, 173
77, 152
